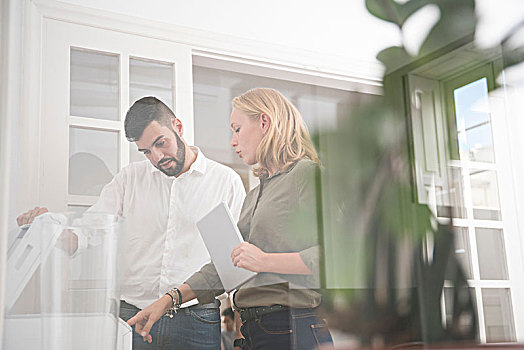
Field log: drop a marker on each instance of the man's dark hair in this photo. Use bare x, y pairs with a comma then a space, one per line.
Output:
142, 113
228, 312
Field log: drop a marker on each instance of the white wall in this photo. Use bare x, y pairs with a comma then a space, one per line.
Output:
337, 28
340, 28
11, 17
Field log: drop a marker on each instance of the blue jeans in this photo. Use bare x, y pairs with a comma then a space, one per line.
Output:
297, 329
190, 328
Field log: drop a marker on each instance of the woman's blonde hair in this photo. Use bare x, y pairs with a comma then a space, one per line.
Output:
287, 140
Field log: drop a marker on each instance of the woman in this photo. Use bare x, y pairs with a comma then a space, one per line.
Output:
278, 223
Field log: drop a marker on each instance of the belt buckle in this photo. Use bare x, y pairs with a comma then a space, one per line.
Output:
245, 314
241, 312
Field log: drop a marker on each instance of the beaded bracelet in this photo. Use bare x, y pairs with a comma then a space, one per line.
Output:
175, 305
179, 303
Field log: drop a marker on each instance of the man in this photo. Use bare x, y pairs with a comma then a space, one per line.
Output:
161, 200
230, 333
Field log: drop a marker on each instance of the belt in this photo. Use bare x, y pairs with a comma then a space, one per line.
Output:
213, 305
252, 313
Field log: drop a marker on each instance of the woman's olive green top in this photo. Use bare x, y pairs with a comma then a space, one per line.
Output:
278, 216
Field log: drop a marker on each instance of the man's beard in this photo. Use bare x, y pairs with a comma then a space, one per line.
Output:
179, 159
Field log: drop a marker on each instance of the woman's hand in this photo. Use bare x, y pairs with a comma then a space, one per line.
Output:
145, 319
252, 258
248, 256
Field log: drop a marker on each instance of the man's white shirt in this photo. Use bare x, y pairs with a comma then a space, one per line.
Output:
162, 244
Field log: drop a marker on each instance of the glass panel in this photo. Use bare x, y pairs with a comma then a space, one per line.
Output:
151, 78
456, 192
492, 255
464, 322
485, 195
94, 85
462, 250
474, 122
213, 90
498, 315
93, 160
77, 210
57, 313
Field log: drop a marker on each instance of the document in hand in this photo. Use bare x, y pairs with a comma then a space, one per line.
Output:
220, 234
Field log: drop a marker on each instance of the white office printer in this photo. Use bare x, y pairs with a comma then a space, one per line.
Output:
78, 292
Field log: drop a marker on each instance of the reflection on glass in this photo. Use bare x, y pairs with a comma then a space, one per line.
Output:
68, 313
474, 122
464, 322
213, 90
442, 196
77, 209
492, 255
485, 195
93, 160
94, 89
456, 192
151, 78
462, 250
498, 316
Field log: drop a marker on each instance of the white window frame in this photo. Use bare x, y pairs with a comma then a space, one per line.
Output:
436, 174
61, 37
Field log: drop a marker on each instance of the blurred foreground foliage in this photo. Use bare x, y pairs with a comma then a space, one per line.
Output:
385, 256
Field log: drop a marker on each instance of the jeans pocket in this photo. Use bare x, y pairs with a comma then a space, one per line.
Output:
208, 316
275, 323
322, 335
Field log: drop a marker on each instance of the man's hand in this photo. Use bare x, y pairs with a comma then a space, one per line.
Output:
250, 257
30, 215
68, 241
145, 319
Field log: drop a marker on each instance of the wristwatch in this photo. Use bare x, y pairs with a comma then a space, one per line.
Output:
239, 342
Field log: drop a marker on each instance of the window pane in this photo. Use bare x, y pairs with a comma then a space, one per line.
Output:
77, 209
480, 143
456, 192
492, 255
213, 90
462, 250
466, 320
93, 160
498, 316
474, 122
485, 195
94, 85
151, 78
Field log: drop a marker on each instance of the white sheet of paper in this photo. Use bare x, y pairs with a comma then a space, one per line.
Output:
220, 234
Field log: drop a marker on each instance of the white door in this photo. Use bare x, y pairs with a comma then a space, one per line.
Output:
90, 78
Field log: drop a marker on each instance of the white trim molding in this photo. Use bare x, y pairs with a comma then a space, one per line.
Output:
205, 42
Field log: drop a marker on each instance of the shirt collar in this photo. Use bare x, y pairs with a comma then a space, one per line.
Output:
280, 172
199, 165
